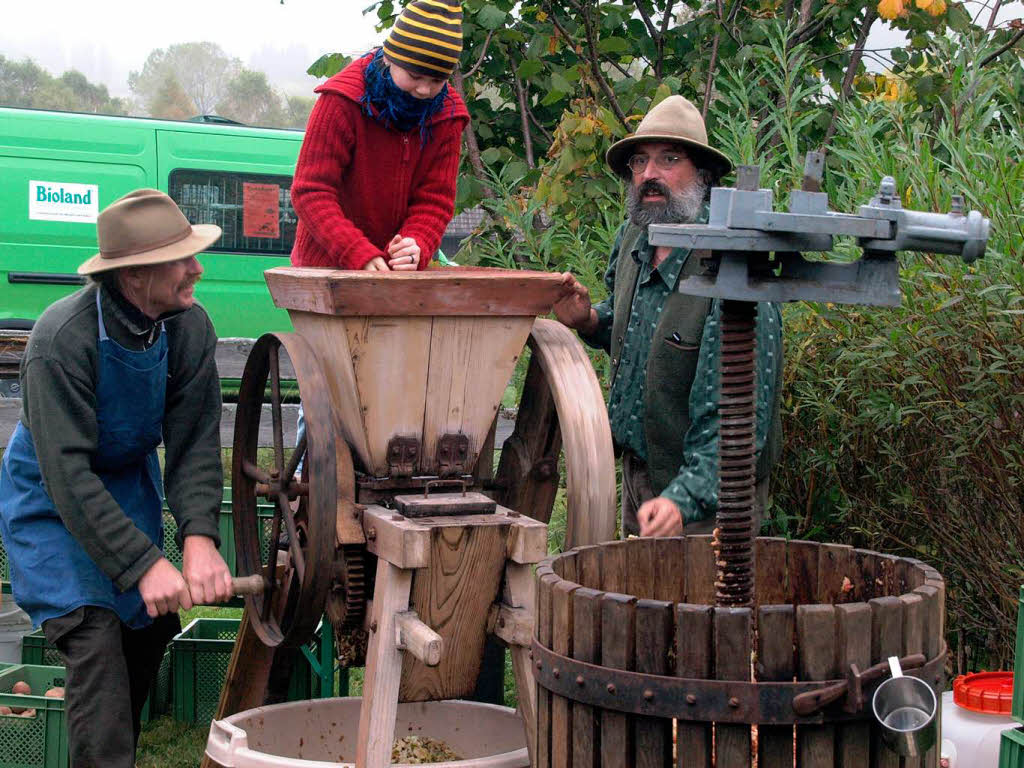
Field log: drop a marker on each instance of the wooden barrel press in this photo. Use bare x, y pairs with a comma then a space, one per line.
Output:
630, 648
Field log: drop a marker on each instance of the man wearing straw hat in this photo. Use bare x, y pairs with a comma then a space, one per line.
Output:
665, 346
110, 372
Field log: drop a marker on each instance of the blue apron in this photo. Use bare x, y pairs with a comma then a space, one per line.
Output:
51, 574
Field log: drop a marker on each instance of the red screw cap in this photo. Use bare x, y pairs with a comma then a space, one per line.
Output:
990, 693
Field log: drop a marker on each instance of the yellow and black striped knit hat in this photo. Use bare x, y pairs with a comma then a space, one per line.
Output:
427, 38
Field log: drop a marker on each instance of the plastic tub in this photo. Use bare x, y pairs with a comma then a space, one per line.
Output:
14, 625
974, 715
322, 734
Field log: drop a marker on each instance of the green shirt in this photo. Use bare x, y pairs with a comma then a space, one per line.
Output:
695, 488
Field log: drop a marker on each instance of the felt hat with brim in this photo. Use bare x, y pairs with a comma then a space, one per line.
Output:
145, 227
677, 121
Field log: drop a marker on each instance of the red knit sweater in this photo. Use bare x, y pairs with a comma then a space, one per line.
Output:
358, 184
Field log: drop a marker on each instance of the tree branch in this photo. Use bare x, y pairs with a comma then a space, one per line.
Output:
666, 17
1003, 48
540, 126
711, 75
992, 17
648, 22
525, 121
475, 68
851, 71
472, 147
595, 66
805, 32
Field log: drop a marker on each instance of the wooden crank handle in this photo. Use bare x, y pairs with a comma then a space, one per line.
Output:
808, 703
246, 585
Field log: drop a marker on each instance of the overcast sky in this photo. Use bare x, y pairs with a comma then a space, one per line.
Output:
106, 39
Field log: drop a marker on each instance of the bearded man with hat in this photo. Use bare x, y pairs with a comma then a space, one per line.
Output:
665, 346
109, 373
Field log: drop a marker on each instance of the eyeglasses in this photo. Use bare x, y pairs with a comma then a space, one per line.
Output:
665, 162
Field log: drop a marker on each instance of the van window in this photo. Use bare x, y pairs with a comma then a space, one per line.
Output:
254, 210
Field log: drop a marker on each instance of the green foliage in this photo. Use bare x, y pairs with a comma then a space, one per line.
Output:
26, 84
203, 71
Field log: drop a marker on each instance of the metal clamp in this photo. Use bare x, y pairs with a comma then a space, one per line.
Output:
444, 481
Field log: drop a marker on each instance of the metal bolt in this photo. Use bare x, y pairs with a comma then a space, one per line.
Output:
691, 699
556, 673
957, 205
734, 702
373, 625
648, 694
371, 535
611, 688
579, 679
887, 189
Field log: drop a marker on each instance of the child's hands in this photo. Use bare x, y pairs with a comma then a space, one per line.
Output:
403, 254
376, 264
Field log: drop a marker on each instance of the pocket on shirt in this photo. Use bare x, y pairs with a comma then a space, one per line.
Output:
682, 345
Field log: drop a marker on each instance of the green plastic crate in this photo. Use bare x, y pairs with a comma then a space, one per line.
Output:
200, 656
226, 529
33, 742
1011, 748
36, 650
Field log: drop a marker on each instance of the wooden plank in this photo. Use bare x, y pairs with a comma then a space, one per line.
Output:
403, 542
567, 562
835, 583
470, 363
618, 639
803, 572
913, 642
586, 646
519, 592
886, 641
545, 583
670, 567
693, 660
232, 353
775, 631
588, 571
931, 640
864, 588
586, 435
816, 653
383, 668
885, 575
700, 570
771, 556
853, 646
527, 538
451, 291
654, 626
562, 642
453, 596
613, 567
642, 570
733, 637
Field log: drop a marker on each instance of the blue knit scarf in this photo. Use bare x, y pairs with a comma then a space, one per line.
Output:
386, 103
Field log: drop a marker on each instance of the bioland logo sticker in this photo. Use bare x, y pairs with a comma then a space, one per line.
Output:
61, 201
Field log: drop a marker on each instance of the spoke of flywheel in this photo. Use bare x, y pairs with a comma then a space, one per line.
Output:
253, 472
271, 567
293, 463
285, 511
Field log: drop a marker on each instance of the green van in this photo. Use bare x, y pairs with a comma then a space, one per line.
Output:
59, 169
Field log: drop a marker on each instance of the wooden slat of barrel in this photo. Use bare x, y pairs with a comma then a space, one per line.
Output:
568, 561
853, 646
913, 642
886, 641
561, 642
613, 567
693, 660
588, 570
864, 584
771, 556
700, 570
885, 576
775, 627
931, 622
641, 570
618, 639
670, 570
733, 636
816, 654
654, 626
834, 566
586, 646
803, 572
546, 581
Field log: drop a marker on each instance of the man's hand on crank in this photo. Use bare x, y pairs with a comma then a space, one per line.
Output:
207, 575
659, 517
574, 308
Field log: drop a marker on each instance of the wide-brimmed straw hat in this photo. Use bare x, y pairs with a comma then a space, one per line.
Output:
145, 227
673, 120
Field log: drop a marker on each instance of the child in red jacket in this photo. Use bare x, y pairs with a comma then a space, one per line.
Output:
374, 186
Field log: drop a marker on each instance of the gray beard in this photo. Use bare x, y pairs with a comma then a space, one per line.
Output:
682, 208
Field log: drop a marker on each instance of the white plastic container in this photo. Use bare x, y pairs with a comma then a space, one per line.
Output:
974, 714
321, 733
14, 625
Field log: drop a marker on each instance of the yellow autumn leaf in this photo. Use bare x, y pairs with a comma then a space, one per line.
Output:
542, 16
893, 91
937, 7
890, 9
923, 3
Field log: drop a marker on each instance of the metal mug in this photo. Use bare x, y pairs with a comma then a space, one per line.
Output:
906, 710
